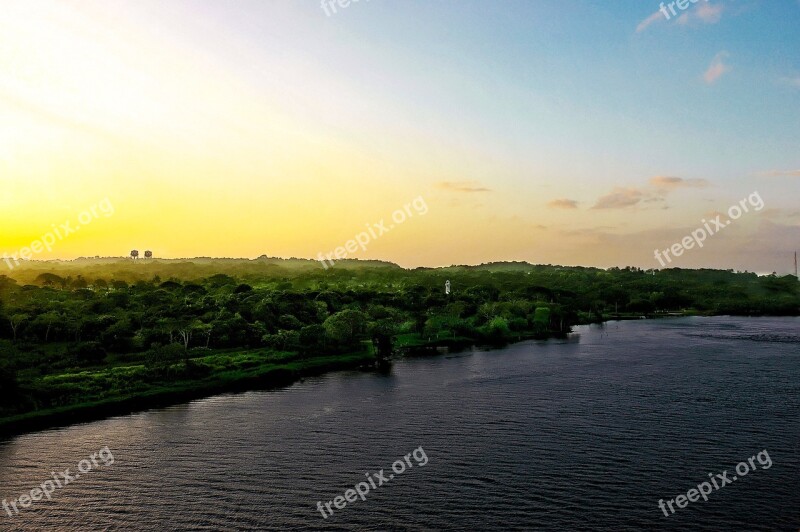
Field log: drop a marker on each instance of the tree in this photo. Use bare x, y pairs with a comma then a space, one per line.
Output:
282, 340
290, 322
437, 325
118, 337
51, 279
382, 333
541, 319
79, 282
6, 282
186, 330
312, 339
47, 320
16, 320
497, 328
346, 326
75, 318
243, 289
204, 329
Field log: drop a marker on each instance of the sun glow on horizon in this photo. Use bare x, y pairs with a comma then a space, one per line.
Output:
268, 129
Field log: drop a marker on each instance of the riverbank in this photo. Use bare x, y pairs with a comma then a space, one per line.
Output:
264, 377
262, 372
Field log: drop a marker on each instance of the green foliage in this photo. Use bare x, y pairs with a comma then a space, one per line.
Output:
160, 357
288, 321
88, 330
313, 339
195, 370
497, 329
282, 340
86, 352
346, 327
541, 316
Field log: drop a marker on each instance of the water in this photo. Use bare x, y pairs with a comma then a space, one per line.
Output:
584, 434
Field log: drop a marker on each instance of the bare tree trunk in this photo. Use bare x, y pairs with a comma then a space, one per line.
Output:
186, 336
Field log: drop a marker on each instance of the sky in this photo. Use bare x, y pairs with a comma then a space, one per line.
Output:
550, 131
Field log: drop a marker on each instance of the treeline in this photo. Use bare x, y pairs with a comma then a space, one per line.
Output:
163, 317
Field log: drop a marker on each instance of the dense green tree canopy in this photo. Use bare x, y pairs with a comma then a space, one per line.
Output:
122, 319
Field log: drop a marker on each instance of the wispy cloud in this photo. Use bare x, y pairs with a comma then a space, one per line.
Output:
781, 173
780, 214
462, 186
563, 204
703, 13
659, 188
669, 183
620, 198
655, 17
717, 68
706, 13
792, 81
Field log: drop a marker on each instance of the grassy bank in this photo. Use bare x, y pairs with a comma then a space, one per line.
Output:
268, 372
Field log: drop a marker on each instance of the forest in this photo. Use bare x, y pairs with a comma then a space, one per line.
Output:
84, 334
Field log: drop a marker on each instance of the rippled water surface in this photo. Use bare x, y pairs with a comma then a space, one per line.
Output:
583, 434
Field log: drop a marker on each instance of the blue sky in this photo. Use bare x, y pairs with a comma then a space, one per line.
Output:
573, 132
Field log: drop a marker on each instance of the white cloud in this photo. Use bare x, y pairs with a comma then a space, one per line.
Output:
655, 17
716, 69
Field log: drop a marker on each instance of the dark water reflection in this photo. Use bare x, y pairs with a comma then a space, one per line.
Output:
586, 434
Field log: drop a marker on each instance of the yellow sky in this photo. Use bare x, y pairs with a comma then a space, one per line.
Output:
272, 152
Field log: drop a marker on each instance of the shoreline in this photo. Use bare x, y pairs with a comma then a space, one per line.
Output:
276, 377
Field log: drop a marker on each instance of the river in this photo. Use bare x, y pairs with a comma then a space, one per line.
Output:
587, 433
